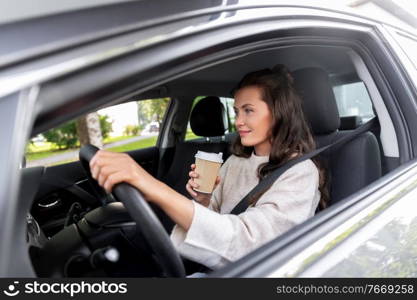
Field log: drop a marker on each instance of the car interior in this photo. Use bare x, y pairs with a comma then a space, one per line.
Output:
323, 75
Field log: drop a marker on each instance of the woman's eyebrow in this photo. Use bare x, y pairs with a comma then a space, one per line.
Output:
243, 106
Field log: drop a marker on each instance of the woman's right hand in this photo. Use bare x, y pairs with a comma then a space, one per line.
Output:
202, 198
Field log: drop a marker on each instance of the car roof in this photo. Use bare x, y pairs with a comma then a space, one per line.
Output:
29, 10
44, 34
222, 78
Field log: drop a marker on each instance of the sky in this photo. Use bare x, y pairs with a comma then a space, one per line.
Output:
122, 115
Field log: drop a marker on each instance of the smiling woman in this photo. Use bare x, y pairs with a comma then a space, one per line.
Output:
270, 121
253, 119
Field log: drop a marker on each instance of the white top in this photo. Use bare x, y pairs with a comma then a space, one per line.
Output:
216, 237
211, 156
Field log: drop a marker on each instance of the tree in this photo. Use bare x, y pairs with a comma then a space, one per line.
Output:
152, 110
142, 114
105, 125
70, 133
131, 130
89, 131
64, 136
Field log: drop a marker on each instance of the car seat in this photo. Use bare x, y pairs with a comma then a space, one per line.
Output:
350, 166
208, 121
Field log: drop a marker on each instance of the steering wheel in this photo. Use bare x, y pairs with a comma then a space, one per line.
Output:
146, 220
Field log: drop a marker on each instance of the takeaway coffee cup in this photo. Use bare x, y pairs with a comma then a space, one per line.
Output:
207, 167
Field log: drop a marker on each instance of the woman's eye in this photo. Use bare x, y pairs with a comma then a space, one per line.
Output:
248, 110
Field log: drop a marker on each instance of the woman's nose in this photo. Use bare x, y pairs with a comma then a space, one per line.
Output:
239, 121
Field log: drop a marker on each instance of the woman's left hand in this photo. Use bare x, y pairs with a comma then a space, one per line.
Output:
111, 168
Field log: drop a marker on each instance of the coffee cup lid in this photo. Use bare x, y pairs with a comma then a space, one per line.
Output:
216, 157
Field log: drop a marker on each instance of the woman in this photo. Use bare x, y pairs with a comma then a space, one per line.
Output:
272, 130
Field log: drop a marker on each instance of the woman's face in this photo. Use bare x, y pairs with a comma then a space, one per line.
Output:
253, 119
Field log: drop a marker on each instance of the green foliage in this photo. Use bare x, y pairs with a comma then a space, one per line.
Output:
113, 139
105, 125
190, 136
64, 136
196, 100
152, 110
44, 154
144, 143
131, 130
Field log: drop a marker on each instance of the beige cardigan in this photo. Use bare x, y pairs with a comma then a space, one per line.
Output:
216, 237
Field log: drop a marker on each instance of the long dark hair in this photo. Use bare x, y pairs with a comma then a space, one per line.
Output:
290, 133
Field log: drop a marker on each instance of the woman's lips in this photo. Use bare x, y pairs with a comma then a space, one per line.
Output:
244, 132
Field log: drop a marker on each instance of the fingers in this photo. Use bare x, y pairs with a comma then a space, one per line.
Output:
190, 186
96, 161
104, 172
95, 171
216, 183
192, 173
103, 156
190, 190
112, 180
193, 184
217, 180
99, 154
110, 168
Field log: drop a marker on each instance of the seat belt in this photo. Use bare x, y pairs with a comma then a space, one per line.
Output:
269, 180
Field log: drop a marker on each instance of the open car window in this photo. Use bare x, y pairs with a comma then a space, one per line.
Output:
120, 128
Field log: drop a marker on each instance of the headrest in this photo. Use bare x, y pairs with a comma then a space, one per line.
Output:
207, 118
319, 102
350, 122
